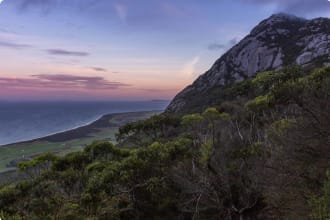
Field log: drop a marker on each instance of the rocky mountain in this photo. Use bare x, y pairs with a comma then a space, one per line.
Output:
275, 42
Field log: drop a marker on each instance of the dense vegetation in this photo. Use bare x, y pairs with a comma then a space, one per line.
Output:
262, 152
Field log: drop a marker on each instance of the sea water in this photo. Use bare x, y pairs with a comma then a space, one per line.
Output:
21, 121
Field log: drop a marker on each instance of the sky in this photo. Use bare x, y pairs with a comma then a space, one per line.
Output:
123, 49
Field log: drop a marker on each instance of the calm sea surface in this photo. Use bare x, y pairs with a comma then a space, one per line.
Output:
20, 121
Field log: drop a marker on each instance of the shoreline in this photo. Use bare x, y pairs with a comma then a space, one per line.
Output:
85, 125
55, 133
102, 129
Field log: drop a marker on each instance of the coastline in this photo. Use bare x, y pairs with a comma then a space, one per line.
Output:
23, 121
55, 133
82, 126
75, 139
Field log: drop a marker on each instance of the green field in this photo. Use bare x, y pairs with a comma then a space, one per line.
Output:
103, 129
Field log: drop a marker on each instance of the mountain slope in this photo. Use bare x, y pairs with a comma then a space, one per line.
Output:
280, 40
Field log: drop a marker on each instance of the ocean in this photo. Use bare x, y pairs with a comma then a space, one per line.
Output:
22, 121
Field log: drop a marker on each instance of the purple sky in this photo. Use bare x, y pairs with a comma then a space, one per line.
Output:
122, 49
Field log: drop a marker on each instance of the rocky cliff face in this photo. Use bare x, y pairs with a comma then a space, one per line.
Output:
277, 41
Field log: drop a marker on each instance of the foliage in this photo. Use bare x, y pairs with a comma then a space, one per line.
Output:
259, 103
321, 204
37, 161
147, 131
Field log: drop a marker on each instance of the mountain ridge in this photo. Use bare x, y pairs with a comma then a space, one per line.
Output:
280, 40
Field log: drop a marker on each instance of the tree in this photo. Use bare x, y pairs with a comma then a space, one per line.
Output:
320, 204
38, 164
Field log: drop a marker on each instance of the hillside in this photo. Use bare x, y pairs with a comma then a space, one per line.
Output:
275, 42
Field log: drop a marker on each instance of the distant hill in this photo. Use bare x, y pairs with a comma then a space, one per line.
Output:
275, 42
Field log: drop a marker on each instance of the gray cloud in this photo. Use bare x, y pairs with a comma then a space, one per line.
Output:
301, 7
233, 41
98, 69
156, 90
13, 45
62, 52
147, 14
217, 46
5, 30
47, 6
61, 81
44, 5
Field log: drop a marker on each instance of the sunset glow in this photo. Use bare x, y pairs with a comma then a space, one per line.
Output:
110, 50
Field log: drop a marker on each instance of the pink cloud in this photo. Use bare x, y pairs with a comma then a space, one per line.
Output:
61, 81
78, 87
